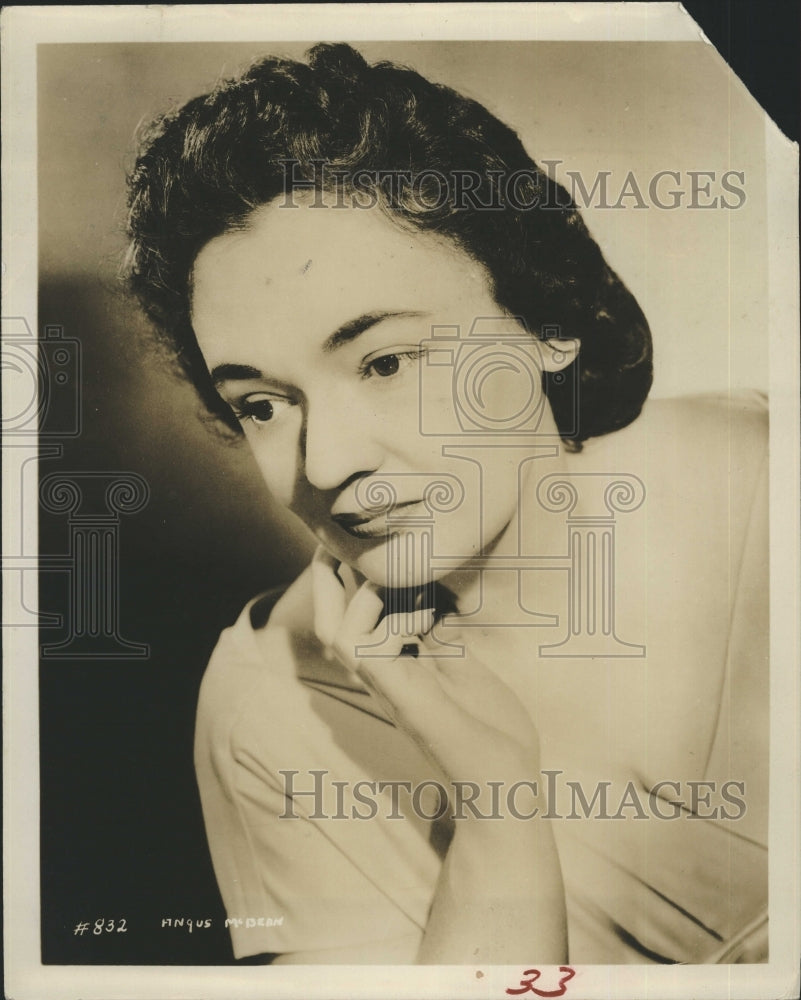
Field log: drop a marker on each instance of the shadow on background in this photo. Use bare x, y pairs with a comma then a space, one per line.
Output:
122, 834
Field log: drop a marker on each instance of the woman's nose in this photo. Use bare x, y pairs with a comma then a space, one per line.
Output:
338, 443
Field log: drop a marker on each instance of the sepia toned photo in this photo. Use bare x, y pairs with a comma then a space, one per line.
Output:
400, 557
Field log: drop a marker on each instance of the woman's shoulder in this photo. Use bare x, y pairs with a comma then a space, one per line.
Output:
705, 422
691, 564
702, 420
255, 659
704, 447
288, 606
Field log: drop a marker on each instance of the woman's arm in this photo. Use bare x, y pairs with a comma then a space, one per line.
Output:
499, 898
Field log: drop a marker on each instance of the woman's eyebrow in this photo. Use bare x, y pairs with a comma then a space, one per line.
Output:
355, 327
233, 373
342, 335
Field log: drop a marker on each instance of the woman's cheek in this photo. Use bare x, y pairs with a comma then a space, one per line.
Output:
280, 466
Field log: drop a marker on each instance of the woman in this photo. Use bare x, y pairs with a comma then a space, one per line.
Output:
407, 756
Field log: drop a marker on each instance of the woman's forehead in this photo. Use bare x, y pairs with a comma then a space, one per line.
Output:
294, 256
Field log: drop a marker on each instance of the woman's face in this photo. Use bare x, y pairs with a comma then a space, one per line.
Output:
314, 323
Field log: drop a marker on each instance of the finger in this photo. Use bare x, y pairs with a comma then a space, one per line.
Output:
351, 580
328, 596
358, 624
450, 625
396, 635
408, 625
363, 612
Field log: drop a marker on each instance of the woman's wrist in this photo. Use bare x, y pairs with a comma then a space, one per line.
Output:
504, 842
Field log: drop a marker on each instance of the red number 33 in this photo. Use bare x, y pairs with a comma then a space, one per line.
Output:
527, 985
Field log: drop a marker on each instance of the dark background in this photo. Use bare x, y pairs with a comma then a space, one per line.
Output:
760, 40
121, 828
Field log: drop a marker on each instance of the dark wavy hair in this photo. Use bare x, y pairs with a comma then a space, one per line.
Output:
206, 166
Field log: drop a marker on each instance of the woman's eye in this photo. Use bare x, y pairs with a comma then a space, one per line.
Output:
388, 365
260, 410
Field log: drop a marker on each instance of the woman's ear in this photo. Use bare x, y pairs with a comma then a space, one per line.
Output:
558, 354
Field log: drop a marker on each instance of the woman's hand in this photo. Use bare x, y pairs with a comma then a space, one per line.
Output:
499, 898
464, 718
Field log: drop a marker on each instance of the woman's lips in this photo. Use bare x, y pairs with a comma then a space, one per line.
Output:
362, 524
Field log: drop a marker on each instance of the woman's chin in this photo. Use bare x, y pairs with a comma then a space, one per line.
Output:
399, 576
393, 562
